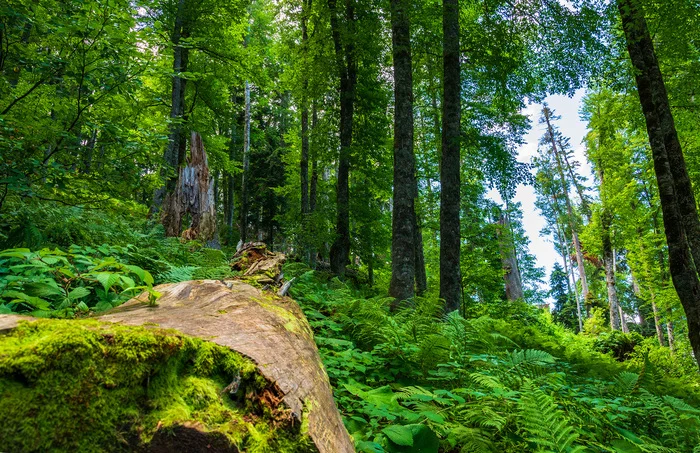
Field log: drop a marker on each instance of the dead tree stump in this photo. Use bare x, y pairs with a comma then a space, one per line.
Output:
193, 195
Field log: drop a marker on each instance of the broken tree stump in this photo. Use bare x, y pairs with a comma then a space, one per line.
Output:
193, 195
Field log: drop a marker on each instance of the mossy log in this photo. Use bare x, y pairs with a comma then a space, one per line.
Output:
220, 365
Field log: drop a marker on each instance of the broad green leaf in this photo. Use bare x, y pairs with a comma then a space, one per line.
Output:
78, 293
424, 441
108, 279
400, 435
128, 282
43, 289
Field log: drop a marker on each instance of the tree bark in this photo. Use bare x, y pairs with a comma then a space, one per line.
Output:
313, 190
608, 258
421, 275
509, 260
176, 142
304, 162
674, 192
450, 275
657, 321
243, 226
193, 195
565, 242
669, 330
403, 253
347, 69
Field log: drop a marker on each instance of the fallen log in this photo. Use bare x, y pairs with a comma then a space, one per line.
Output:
291, 398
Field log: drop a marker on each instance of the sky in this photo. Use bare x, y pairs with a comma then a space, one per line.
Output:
571, 126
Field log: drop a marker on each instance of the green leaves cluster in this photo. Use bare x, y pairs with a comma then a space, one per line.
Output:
417, 381
57, 283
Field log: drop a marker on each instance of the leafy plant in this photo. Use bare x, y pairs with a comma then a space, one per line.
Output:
58, 283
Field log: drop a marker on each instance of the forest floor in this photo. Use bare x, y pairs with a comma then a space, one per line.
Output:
499, 377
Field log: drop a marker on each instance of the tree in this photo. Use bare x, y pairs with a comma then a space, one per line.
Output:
680, 216
403, 238
346, 66
450, 275
551, 138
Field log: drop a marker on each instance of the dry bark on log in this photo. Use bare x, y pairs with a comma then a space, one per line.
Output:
194, 195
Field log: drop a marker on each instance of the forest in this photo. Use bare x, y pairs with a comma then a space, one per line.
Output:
372, 151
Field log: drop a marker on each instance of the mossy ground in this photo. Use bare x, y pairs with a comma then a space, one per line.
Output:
90, 386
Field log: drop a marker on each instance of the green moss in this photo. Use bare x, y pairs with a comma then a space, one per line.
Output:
90, 386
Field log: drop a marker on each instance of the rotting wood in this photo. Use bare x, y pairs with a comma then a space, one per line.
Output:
193, 195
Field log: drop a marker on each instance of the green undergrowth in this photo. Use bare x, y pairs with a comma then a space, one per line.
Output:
504, 379
85, 386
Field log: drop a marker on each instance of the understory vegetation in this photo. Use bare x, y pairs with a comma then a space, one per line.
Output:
501, 379
495, 377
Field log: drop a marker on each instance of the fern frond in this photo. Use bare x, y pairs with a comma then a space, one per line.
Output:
543, 424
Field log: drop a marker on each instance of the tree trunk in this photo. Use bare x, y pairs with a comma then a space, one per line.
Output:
657, 321
608, 258
304, 162
193, 195
511, 273
176, 142
313, 191
570, 212
674, 192
579, 189
573, 277
229, 189
403, 253
421, 276
647, 66
450, 275
243, 227
347, 69
669, 330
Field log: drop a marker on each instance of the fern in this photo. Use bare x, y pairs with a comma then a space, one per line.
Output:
544, 425
178, 274
625, 383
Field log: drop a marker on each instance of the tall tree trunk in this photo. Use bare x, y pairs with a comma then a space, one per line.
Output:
647, 66
304, 162
347, 68
89, 152
243, 227
176, 141
669, 330
570, 212
450, 275
313, 189
403, 254
230, 181
675, 192
608, 258
623, 319
511, 273
657, 321
565, 241
421, 276
579, 189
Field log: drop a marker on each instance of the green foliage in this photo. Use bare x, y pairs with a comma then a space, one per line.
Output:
620, 345
501, 383
53, 282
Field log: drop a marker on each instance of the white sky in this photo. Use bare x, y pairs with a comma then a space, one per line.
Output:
571, 126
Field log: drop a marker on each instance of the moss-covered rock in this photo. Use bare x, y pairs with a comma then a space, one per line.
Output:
92, 386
